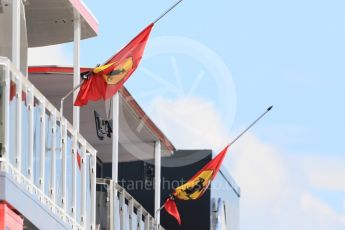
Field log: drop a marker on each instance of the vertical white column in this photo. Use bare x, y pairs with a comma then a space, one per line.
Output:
157, 181
115, 137
31, 134
76, 109
83, 185
111, 205
16, 33
43, 144
74, 174
64, 162
6, 115
93, 191
19, 123
53, 159
115, 153
76, 69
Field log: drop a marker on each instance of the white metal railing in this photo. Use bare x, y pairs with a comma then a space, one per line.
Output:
123, 211
43, 153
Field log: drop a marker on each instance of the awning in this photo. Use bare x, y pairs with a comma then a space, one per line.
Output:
137, 132
50, 22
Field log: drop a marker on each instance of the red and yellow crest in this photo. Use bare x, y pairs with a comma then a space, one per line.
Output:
194, 188
117, 72
106, 80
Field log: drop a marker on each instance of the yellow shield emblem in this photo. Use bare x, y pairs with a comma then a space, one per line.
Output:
120, 71
194, 189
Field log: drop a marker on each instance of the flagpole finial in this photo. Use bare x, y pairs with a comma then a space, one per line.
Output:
269, 108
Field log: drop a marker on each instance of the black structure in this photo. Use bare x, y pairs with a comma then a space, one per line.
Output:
194, 214
138, 179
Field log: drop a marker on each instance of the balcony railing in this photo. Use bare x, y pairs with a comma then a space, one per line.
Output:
42, 153
117, 209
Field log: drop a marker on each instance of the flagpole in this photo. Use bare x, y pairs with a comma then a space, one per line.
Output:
251, 125
157, 211
160, 209
232, 142
67, 95
167, 11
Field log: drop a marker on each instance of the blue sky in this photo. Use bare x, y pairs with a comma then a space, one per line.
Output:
286, 53
289, 54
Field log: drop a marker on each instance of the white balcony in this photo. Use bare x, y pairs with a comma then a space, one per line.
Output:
48, 171
115, 203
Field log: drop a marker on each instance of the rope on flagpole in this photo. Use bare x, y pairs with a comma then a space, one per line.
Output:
167, 11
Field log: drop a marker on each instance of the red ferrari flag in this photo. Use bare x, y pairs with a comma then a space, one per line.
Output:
171, 208
195, 187
107, 79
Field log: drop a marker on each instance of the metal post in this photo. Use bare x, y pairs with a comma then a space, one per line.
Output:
115, 152
115, 137
76, 69
76, 109
16, 33
31, 109
83, 185
157, 181
43, 144
64, 163
111, 205
53, 159
93, 191
74, 174
19, 123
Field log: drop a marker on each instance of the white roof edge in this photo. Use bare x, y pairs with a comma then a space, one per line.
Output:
90, 12
86, 13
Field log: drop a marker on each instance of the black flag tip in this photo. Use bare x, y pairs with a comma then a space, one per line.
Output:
269, 108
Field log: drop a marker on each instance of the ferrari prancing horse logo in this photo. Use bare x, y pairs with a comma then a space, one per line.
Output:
119, 72
194, 189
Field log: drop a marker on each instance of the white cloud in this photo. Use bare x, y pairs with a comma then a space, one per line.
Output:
260, 171
325, 173
277, 189
189, 122
311, 204
49, 55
